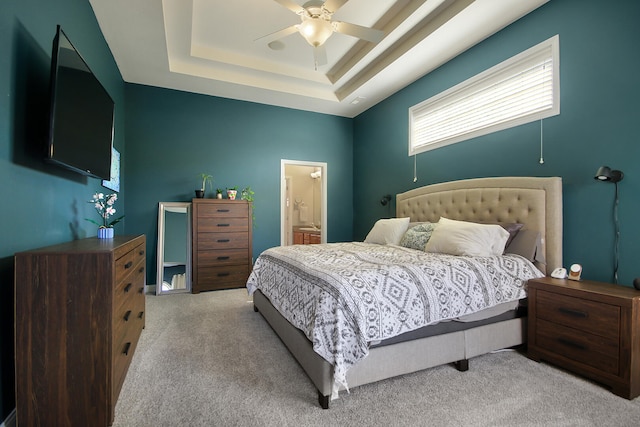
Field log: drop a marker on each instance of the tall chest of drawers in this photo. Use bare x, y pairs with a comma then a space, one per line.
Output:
79, 311
222, 244
590, 328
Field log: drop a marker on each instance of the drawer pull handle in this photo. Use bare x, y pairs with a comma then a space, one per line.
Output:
223, 225
223, 257
141, 290
126, 316
140, 315
223, 240
141, 252
223, 210
141, 269
574, 313
127, 347
569, 343
223, 274
127, 288
128, 265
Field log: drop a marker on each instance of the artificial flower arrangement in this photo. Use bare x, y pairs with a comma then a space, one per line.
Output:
104, 206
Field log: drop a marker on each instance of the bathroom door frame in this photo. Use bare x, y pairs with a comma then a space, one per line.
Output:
283, 197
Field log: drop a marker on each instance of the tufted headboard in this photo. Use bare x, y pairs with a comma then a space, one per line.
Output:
535, 202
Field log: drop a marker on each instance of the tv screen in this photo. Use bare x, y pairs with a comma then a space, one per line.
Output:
82, 114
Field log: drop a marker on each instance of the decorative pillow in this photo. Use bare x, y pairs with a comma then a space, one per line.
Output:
528, 244
467, 238
417, 237
387, 231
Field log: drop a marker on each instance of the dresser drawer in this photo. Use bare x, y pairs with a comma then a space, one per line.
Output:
132, 284
596, 351
224, 275
122, 355
125, 264
223, 210
208, 241
219, 258
590, 316
222, 225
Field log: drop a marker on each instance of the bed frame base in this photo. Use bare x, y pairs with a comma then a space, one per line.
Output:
397, 359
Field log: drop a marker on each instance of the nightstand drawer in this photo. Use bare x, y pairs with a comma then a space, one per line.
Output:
599, 352
593, 317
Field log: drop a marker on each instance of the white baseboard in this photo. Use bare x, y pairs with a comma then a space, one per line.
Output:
149, 290
10, 421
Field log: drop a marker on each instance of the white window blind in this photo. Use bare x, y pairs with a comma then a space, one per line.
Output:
520, 90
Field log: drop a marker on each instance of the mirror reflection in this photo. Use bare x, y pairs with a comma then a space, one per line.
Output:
174, 248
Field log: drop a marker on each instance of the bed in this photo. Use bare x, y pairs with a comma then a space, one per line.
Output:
536, 203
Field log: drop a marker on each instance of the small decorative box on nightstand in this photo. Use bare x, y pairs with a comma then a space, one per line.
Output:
590, 328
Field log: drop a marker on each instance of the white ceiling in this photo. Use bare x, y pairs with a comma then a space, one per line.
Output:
209, 47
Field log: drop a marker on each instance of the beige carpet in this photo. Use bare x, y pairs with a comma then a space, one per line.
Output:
210, 360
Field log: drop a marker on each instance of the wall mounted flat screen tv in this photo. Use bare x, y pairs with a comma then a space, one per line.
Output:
81, 115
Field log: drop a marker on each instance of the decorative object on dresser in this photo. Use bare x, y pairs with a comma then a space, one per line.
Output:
590, 328
205, 178
222, 244
80, 309
103, 204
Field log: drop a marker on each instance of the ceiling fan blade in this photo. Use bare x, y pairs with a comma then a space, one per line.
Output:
278, 34
319, 56
365, 33
333, 5
289, 4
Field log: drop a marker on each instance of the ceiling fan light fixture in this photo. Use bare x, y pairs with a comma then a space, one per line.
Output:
315, 31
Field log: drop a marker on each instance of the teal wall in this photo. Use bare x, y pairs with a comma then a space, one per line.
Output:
174, 136
41, 204
598, 125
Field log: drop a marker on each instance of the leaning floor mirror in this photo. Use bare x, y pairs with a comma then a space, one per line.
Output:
174, 248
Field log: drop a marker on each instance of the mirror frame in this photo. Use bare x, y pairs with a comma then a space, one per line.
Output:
164, 207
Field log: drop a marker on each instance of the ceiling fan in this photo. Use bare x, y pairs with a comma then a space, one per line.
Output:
316, 26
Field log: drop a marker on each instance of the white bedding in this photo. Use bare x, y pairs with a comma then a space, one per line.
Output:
345, 295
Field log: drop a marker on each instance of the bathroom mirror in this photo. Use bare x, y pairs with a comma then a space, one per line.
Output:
174, 248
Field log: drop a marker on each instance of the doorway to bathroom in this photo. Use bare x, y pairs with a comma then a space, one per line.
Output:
303, 217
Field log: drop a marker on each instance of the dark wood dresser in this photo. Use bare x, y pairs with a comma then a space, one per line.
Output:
222, 246
79, 311
590, 328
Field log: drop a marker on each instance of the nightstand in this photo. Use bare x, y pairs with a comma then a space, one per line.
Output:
590, 328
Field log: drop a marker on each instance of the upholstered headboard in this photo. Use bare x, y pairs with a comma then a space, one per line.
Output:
534, 202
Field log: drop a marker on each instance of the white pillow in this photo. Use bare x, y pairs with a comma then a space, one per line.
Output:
388, 231
467, 238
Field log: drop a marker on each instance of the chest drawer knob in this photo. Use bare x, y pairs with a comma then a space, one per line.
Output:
223, 257
127, 288
223, 210
141, 252
223, 240
574, 313
127, 347
223, 274
128, 265
141, 290
223, 225
140, 315
126, 316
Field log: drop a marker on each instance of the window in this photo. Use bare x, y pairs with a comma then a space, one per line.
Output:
522, 89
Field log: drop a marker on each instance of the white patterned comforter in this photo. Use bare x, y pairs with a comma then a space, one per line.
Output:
345, 295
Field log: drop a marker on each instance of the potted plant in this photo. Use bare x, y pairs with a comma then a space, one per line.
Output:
103, 203
247, 194
219, 193
232, 193
205, 178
